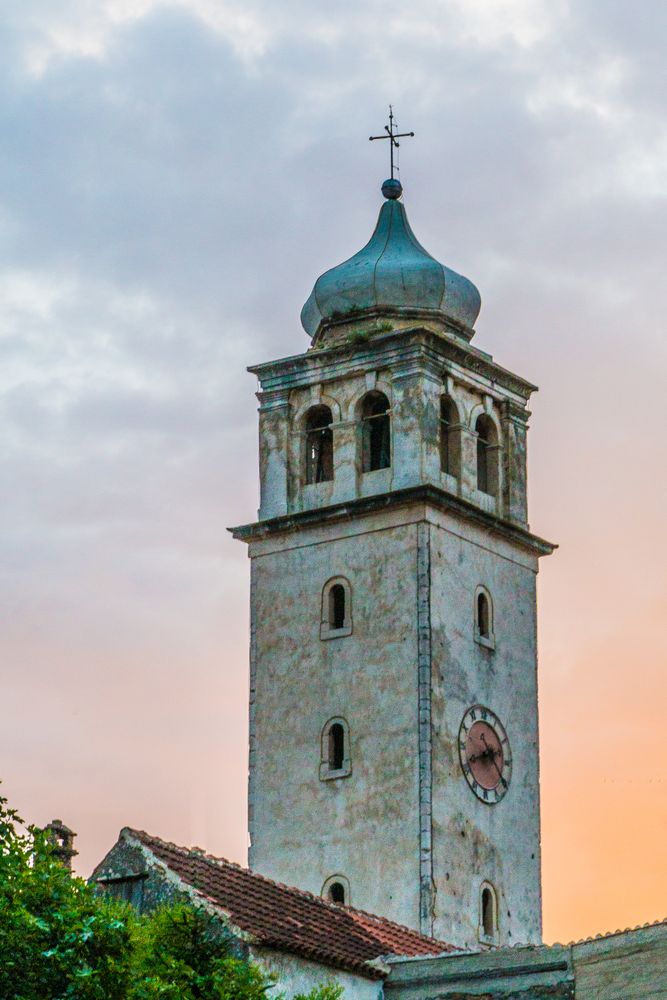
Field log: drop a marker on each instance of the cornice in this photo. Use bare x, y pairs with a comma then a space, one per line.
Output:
412, 346
426, 493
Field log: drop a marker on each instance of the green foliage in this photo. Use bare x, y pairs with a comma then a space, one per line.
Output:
60, 940
56, 938
181, 955
356, 337
328, 992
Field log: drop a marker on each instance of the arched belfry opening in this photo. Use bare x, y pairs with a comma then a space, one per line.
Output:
319, 445
450, 446
487, 455
375, 432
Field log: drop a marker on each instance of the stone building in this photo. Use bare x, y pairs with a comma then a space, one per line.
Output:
394, 764
393, 728
304, 941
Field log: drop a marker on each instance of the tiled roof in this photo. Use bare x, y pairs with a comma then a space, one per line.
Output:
281, 917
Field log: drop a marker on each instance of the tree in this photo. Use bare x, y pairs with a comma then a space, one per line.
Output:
61, 940
56, 938
180, 954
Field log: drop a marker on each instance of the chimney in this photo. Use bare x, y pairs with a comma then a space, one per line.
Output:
62, 839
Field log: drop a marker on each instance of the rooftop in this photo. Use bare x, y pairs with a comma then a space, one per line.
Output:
278, 916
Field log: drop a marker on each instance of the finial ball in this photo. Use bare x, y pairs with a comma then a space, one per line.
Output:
392, 188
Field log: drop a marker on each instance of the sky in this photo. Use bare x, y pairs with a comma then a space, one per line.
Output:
173, 178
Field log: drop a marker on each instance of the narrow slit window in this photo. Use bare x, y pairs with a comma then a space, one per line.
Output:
336, 747
319, 445
488, 923
337, 606
483, 616
376, 432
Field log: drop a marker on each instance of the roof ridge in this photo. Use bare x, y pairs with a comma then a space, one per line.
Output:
336, 907
621, 930
198, 852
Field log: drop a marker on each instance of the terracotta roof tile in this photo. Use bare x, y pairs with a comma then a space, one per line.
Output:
288, 919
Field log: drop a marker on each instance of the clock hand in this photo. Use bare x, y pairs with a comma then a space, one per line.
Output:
491, 753
500, 773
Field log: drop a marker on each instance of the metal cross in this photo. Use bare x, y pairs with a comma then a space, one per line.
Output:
392, 136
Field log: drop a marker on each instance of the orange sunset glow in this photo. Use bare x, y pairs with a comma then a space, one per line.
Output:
175, 178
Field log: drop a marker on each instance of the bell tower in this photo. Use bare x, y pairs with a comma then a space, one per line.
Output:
393, 692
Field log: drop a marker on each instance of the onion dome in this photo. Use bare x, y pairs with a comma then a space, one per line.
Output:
393, 278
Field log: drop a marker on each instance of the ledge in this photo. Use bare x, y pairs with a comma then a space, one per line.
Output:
384, 350
369, 505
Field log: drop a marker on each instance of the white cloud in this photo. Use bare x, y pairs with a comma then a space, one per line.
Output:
492, 23
87, 28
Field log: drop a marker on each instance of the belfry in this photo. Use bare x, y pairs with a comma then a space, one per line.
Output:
393, 691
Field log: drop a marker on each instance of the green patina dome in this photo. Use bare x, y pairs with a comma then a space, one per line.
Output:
393, 276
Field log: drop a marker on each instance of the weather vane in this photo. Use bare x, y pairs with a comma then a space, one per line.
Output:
393, 138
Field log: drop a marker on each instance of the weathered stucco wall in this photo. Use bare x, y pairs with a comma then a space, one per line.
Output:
474, 841
631, 965
364, 826
627, 966
296, 975
506, 974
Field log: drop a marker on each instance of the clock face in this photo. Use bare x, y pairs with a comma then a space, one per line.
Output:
485, 754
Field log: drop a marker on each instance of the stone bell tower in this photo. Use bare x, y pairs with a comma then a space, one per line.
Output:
393, 698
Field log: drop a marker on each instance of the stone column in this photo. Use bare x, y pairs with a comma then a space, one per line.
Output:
415, 425
468, 480
345, 460
273, 431
432, 391
407, 409
515, 427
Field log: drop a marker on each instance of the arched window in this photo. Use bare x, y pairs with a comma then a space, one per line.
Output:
484, 618
487, 458
449, 442
336, 889
335, 760
375, 432
336, 619
488, 914
319, 445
